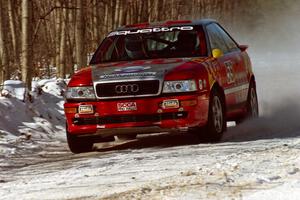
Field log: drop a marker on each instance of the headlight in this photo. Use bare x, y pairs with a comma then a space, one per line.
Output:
179, 86
80, 93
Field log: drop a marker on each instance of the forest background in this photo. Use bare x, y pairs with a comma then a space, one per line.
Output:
53, 38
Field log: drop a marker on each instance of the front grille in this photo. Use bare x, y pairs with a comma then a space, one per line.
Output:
117, 119
123, 89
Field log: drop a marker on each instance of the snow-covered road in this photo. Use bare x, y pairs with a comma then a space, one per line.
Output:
152, 167
259, 159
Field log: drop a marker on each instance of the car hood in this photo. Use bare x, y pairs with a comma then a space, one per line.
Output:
136, 70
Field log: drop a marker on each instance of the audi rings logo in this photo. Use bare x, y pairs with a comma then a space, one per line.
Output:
124, 89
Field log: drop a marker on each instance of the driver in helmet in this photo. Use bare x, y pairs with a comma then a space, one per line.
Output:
135, 47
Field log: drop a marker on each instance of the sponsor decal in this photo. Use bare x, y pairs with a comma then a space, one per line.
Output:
127, 106
170, 103
86, 109
128, 75
237, 89
229, 72
132, 69
152, 30
240, 92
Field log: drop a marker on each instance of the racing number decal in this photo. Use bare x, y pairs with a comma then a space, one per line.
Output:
229, 72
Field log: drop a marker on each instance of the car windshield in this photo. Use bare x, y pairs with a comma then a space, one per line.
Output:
150, 43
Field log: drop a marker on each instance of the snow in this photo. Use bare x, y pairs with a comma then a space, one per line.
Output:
221, 171
34, 121
288, 191
259, 159
15, 88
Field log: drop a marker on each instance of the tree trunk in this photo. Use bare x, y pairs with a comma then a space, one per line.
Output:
96, 18
26, 47
113, 13
79, 35
144, 11
62, 48
14, 36
106, 20
4, 54
58, 19
117, 14
124, 13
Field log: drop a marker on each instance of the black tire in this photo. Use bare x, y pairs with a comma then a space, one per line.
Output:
216, 124
79, 145
252, 102
125, 137
216, 118
252, 110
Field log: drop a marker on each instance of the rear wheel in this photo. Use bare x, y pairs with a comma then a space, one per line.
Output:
252, 110
252, 103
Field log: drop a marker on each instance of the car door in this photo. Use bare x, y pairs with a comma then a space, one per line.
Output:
231, 72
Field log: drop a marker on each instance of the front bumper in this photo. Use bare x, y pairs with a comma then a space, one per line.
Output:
149, 117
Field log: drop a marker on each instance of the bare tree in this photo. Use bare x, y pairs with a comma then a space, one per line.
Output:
4, 58
13, 31
58, 26
26, 41
79, 35
65, 30
62, 48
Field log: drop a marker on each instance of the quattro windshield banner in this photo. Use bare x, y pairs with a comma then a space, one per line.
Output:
152, 30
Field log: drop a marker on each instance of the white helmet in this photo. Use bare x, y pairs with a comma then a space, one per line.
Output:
134, 46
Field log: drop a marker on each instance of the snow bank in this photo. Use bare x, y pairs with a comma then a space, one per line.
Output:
25, 123
15, 88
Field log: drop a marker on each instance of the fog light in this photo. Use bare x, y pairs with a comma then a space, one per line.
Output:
86, 109
189, 102
70, 110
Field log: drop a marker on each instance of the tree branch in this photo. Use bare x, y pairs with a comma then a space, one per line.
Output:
43, 17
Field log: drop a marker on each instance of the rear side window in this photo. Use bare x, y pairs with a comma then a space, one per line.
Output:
231, 45
215, 38
220, 39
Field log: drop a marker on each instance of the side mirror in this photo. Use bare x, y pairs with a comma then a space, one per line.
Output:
217, 53
243, 47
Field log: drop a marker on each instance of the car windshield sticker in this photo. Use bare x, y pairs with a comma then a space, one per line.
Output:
152, 30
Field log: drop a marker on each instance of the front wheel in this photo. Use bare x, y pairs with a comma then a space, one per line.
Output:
216, 124
125, 137
216, 118
79, 145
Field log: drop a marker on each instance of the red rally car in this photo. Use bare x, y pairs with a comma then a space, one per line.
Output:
160, 77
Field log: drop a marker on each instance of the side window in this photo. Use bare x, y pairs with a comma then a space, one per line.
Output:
231, 45
216, 38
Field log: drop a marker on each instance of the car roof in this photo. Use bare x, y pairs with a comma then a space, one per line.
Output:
166, 23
